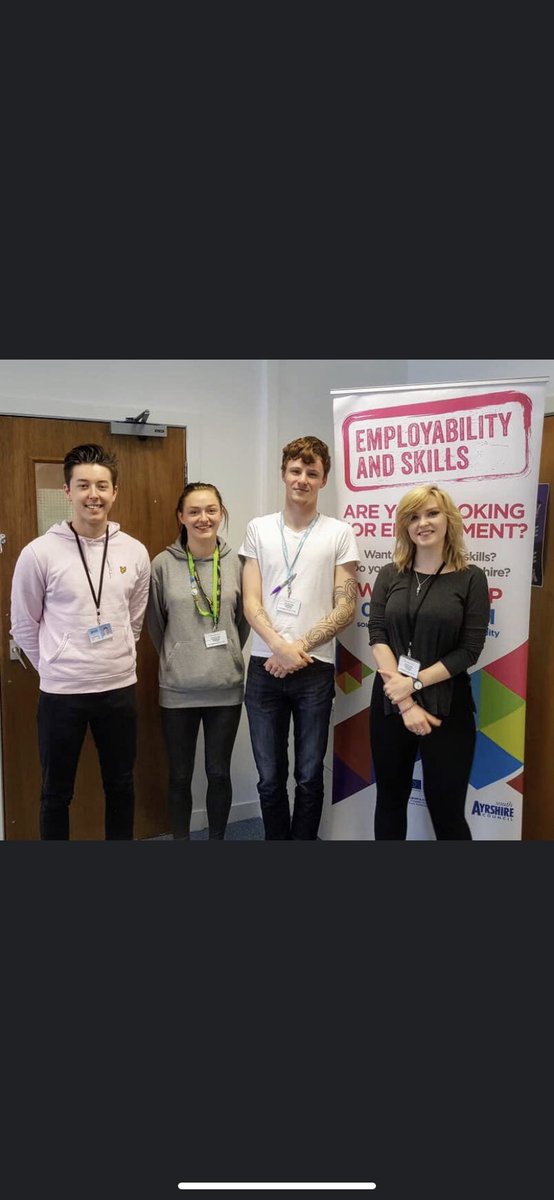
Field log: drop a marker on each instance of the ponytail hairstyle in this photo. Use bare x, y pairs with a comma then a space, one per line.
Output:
197, 487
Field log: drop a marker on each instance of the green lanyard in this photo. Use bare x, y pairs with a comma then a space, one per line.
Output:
214, 605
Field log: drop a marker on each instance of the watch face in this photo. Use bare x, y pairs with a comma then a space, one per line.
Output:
417, 684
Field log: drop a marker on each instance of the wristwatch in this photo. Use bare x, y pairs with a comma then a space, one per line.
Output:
417, 685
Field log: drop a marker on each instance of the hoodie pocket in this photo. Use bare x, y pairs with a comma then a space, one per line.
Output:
58, 653
171, 655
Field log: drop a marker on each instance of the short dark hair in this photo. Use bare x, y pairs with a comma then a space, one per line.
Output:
90, 452
308, 449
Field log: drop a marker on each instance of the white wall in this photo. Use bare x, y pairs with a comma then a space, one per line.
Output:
239, 413
218, 401
222, 404
302, 389
446, 370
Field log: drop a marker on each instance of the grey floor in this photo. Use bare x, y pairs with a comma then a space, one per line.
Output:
237, 831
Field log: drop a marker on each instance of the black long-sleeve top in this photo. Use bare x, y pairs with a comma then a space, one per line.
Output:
451, 625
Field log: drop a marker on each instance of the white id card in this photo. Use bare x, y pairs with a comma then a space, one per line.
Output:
288, 606
99, 633
408, 666
218, 637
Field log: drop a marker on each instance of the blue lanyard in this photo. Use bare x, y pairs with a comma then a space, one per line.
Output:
290, 566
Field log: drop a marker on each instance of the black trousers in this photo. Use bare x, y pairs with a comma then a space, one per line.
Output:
181, 726
62, 724
446, 759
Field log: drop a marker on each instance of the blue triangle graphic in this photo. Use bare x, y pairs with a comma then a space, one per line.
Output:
490, 762
346, 782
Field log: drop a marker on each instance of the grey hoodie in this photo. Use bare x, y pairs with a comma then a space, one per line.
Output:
191, 674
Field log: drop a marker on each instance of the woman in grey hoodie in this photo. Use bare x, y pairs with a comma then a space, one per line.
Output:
196, 622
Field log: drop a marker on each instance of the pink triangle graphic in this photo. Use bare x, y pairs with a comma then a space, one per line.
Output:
511, 670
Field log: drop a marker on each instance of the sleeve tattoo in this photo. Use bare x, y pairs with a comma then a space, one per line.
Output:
340, 616
261, 615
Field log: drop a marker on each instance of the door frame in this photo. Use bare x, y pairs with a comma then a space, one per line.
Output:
74, 420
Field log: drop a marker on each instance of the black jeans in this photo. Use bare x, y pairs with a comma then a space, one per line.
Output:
307, 697
180, 726
62, 723
446, 759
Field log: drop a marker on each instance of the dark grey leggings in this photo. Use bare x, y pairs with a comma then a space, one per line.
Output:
180, 726
446, 759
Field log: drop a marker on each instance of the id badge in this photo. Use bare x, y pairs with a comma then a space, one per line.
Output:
99, 633
218, 637
408, 666
288, 606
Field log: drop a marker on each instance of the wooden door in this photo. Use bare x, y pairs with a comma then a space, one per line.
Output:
538, 785
151, 478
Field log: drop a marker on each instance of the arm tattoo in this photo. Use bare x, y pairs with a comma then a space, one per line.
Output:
261, 614
339, 618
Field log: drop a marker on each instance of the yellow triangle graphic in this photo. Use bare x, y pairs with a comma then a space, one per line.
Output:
509, 733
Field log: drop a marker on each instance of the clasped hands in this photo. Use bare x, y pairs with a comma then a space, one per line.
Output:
290, 657
398, 688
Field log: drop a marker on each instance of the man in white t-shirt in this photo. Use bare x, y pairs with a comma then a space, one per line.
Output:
299, 590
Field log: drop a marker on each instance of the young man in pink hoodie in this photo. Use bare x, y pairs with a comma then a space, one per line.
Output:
79, 595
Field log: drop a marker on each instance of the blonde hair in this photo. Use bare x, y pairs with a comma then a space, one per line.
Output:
454, 551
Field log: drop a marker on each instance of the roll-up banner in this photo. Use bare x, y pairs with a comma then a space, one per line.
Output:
481, 443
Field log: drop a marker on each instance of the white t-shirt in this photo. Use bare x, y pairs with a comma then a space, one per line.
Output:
329, 544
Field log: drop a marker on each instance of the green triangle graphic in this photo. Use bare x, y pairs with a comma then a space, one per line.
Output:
350, 684
509, 733
496, 701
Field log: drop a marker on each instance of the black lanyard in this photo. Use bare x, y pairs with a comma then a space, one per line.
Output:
412, 619
95, 597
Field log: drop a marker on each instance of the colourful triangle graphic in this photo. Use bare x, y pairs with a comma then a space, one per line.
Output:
345, 782
351, 683
509, 733
496, 701
490, 762
352, 745
511, 669
345, 661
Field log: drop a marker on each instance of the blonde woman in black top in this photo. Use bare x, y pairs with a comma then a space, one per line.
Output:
428, 622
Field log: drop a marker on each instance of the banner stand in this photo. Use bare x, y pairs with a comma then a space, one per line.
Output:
481, 443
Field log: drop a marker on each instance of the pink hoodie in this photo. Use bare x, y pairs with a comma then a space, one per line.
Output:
52, 608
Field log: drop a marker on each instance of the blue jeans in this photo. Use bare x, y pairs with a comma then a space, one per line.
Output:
307, 696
